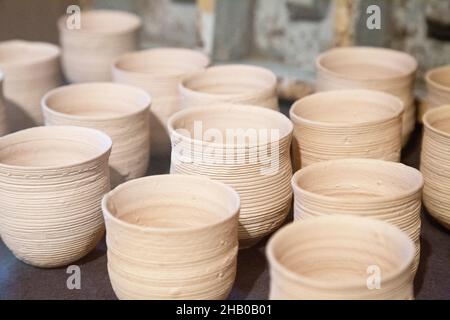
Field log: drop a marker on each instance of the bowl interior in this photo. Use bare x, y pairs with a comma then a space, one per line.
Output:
97, 100
172, 202
52, 147
231, 80
440, 76
359, 179
108, 21
367, 63
347, 107
439, 119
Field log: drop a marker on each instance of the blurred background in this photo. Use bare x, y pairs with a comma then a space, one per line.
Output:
284, 35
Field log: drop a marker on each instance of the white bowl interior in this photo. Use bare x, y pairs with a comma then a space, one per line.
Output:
439, 119
440, 76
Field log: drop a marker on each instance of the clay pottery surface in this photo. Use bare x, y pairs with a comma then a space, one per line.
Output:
89, 52
241, 84
172, 237
435, 163
380, 69
4, 126
369, 188
246, 147
346, 124
438, 89
120, 111
340, 257
30, 69
51, 186
159, 72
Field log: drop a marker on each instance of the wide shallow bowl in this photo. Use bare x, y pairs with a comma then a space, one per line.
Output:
241, 84
30, 70
159, 72
89, 51
369, 188
435, 163
341, 257
346, 124
52, 182
246, 147
380, 69
172, 237
120, 111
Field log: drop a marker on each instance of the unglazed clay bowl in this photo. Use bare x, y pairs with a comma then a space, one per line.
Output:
159, 71
346, 124
120, 111
371, 68
369, 188
52, 182
30, 70
246, 147
240, 84
438, 89
89, 52
435, 163
172, 237
340, 258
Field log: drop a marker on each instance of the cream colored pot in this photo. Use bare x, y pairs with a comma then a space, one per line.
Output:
172, 237
118, 110
438, 89
341, 257
52, 182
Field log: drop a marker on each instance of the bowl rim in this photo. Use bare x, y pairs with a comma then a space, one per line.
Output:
231, 214
54, 53
430, 113
430, 73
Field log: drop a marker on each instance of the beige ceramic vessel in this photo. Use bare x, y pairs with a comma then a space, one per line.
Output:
159, 72
241, 84
120, 111
246, 147
30, 70
438, 89
4, 125
341, 257
371, 68
369, 188
172, 237
435, 163
52, 182
89, 52
346, 124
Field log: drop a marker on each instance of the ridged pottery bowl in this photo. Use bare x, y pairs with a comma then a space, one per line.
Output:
340, 258
4, 125
172, 237
438, 89
346, 124
30, 70
435, 163
159, 72
241, 84
369, 188
371, 68
246, 147
89, 52
120, 111
51, 186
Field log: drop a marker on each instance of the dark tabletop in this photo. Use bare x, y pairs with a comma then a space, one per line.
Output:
21, 281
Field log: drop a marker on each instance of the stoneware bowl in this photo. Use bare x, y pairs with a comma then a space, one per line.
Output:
241, 84
346, 124
171, 237
246, 147
371, 68
435, 163
120, 111
438, 89
369, 188
51, 186
341, 257
159, 71
4, 125
88, 52
30, 69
